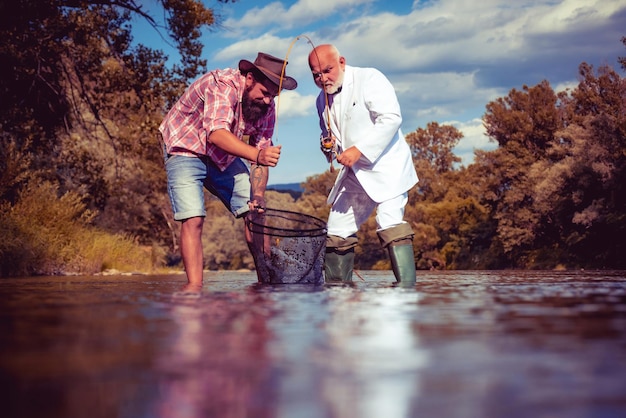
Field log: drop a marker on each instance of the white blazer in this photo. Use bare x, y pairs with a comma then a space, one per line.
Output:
366, 114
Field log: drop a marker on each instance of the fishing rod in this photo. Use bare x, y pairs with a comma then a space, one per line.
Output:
328, 143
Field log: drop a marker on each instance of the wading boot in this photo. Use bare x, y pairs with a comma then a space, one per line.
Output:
339, 259
338, 266
399, 243
402, 263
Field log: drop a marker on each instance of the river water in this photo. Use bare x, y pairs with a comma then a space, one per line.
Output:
461, 344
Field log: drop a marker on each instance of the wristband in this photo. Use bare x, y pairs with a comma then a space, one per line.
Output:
257, 157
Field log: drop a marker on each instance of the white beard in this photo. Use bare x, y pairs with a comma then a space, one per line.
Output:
333, 88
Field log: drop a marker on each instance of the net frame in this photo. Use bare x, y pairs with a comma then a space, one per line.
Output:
317, 230
288, 247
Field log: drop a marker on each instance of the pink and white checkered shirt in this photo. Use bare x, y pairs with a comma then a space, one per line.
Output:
212, 102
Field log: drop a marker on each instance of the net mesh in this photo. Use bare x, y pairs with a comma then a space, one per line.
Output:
287, 247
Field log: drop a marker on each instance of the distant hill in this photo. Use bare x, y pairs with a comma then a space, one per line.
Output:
287, 186
294, 189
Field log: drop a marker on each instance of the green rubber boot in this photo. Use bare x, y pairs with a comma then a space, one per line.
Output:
403, 263
338, 265
399, 243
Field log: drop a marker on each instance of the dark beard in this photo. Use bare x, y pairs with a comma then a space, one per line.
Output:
252, 110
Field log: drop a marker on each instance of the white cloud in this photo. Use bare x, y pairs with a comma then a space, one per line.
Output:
474, 138
466, 36
291, 104
301, 12
295, 51
440, 96
446, 58
567, 85
248, 48
572, 14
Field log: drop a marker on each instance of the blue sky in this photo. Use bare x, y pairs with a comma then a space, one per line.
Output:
446, 58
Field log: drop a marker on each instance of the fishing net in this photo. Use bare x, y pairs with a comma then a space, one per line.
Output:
287, 247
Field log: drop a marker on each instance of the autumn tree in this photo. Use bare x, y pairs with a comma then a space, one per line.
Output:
82, 102
433, 156
622, 60
524, 125
555, 186
591, 170
442, 209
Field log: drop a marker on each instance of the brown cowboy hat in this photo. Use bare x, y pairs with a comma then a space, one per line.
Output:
271, 67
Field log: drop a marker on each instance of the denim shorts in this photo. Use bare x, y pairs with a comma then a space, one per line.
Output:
187, 177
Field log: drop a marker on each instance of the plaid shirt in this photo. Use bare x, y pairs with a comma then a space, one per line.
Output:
212, 102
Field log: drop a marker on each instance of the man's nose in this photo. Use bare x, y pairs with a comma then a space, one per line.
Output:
267, 100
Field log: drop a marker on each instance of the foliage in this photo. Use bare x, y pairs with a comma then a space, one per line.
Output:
44, 233
83, 102
555, 185
435, 145
622, 60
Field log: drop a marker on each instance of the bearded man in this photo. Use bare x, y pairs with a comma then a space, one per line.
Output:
223, 119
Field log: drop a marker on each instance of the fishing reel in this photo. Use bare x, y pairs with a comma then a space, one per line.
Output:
328, 144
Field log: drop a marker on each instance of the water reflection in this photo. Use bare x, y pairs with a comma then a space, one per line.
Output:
372, 356
217, 358
461, 344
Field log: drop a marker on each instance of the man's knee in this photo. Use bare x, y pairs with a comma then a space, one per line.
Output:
339, 244
192, 225
396, 235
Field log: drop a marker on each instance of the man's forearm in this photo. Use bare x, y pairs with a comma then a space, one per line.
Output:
258, 180
228, 142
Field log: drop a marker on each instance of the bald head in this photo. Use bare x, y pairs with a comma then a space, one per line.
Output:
328, 67
323, 52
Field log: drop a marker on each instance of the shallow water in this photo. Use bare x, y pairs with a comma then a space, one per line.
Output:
461, 344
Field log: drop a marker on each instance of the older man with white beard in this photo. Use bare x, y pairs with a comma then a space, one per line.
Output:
360, 121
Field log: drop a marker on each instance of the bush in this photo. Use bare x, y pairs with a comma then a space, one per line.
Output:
47, 234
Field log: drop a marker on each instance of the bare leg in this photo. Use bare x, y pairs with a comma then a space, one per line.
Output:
191, 250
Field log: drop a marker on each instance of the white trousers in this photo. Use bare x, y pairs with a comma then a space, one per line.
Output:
353, 206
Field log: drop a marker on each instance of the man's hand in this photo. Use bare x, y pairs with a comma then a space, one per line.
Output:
269, 156
349, 157
257, 205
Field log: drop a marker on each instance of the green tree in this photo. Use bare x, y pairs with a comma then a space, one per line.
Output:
441, 205
316, 190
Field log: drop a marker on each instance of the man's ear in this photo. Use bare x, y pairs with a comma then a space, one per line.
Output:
250, 80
